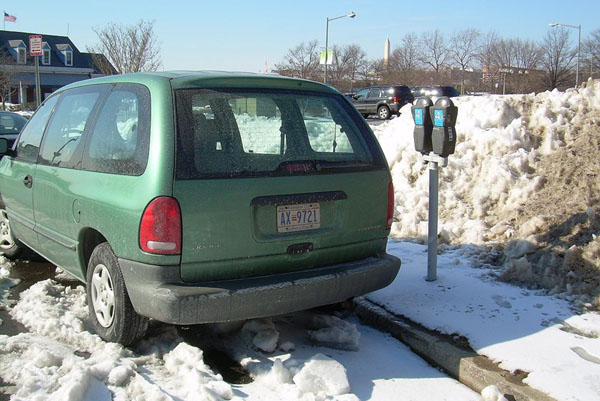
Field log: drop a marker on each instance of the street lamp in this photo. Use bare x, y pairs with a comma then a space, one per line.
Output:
351, 15
578, 27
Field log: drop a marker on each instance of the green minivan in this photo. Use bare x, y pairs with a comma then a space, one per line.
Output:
195, 197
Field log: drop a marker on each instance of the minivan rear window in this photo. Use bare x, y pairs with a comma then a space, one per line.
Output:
229, 132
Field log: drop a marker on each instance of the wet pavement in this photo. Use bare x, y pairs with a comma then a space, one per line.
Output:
29, 272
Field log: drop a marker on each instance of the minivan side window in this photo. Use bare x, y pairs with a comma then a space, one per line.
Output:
63, 141
28, 144
120, 137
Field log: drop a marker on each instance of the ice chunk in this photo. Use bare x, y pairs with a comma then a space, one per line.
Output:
266, 336
287, 346
491, 393
322, 373
334, 332
120, 375
266, 340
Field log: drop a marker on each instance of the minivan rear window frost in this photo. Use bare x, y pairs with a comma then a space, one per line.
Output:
228, 132
120, 137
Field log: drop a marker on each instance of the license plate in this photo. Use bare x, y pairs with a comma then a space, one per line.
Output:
305, 216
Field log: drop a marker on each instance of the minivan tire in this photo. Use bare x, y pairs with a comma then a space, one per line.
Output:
110, 308
383, 112
9, 245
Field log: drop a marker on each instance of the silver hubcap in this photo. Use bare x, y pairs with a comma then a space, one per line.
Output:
383, 113
6, 238
103, 296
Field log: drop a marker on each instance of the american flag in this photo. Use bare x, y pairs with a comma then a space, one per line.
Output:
9, 18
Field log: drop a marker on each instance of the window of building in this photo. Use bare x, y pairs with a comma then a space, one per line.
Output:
21, 55
69, 58
46, 57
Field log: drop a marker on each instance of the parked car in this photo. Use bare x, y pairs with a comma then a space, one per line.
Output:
10, 125
200, 197
384, 101
435, 91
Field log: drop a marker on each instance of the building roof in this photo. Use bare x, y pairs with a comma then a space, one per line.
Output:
56, 43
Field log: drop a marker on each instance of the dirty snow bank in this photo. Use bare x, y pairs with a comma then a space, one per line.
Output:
5, 282
62, 360
524, 164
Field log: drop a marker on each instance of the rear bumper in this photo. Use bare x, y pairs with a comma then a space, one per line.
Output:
158, 292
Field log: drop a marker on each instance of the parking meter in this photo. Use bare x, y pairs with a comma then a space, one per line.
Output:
423, 125
443, 137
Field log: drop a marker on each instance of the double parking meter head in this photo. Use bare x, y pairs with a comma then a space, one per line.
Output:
423, 125
443, 136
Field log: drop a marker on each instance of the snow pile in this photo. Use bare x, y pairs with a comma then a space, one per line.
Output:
5, 281
322, 374
62, 360
189, 372
523, 178
57, 312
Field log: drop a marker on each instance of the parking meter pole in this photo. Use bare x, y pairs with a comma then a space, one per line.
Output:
433, 222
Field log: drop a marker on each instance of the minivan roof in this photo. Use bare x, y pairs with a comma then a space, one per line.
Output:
211, 79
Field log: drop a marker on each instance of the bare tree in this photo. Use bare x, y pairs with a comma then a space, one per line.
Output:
527, 54
486, 58
405, 60
557, 59
345, 67
463, 49
7, 73
591, 49
131, 48
435, 50
302, 61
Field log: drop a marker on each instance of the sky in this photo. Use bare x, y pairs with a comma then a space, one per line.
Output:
244, 35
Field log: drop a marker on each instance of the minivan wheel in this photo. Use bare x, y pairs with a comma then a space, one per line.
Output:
383, 112
9, 245
110, 308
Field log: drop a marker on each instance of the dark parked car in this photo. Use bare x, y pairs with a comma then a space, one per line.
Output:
382, 100
436, 91
10, 125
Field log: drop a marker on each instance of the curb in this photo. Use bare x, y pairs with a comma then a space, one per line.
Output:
460, 362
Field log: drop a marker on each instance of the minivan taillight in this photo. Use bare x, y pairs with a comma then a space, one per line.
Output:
160, 228
390, 206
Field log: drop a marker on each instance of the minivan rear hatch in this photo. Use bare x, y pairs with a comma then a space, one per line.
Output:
272, 181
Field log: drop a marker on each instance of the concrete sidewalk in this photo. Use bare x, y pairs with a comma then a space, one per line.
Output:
451, 354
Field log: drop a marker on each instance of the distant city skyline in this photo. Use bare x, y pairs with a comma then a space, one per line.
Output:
247, 36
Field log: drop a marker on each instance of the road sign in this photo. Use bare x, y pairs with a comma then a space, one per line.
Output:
35, 45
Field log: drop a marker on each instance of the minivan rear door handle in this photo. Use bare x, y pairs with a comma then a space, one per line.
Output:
27, 181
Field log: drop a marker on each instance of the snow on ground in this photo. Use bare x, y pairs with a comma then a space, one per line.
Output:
307, 356
5, 281
523, 180
521, 329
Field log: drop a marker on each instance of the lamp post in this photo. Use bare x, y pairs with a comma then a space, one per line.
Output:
578, 27
351, 15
